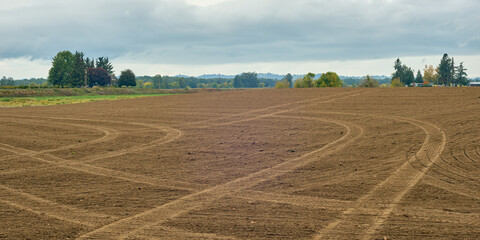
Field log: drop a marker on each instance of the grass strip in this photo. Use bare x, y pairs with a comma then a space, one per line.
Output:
59, 100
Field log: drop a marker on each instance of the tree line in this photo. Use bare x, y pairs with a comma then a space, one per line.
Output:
244, 80
75, 70
445, 74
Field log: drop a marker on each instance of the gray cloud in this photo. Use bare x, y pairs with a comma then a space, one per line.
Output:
174, 32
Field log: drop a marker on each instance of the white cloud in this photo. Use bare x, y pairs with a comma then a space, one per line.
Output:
20, 68
217, 32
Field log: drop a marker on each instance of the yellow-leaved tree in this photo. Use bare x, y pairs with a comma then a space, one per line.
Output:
329, 79
396, 83
430, 74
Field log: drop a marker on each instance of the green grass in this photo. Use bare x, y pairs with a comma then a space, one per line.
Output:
58, 100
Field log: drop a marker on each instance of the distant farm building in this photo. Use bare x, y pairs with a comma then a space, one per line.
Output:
474, 84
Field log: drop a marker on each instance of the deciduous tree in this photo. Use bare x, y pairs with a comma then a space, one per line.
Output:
98, 77
158, 82
328, 79
396, 82
127, 78
283, 84
369, 82
246, 80
430, 74
7, 82
61, 70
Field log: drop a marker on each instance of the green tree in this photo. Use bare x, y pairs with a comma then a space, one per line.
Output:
89, 63
396, 82
77, 76
445, 71
305, 82
7, 82
103, 62
158, 82
298, 83
283, 84
403, 72
328, 79
127, 78
461, 75
182, 83
430, 74
419, 78
61, 70
289, 78
246, 80
369, 82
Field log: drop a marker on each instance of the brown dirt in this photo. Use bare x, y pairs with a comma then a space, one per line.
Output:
250, 164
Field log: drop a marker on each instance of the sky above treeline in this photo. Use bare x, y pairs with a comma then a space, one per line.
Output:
195, 37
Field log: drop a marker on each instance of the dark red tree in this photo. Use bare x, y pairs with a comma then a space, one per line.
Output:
98, 77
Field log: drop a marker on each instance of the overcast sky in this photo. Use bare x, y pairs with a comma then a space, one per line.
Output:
194, 37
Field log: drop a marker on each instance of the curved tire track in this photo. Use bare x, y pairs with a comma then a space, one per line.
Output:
109, 135
371, 210
40, 206
135, 224
45, 157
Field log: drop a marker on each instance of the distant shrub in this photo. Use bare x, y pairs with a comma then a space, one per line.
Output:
282, 84
396, 83
369, 82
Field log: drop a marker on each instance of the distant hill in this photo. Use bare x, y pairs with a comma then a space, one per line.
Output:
277, 76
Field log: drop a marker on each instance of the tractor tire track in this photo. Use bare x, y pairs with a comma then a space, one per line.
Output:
99, 171
109, 135
40, 206
371, 210
295, 200
209, 121
135, 224
174, 233
172, 134
265, 115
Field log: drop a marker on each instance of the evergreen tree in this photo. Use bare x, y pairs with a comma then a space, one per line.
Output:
419, 78
445, 71
77, 76
398, 69
289, 79
461, 75
103, 62
403, 72
89, 63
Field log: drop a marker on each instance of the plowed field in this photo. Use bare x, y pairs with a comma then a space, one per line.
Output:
248, 164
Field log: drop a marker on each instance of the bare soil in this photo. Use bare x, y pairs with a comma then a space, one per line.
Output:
249, 164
